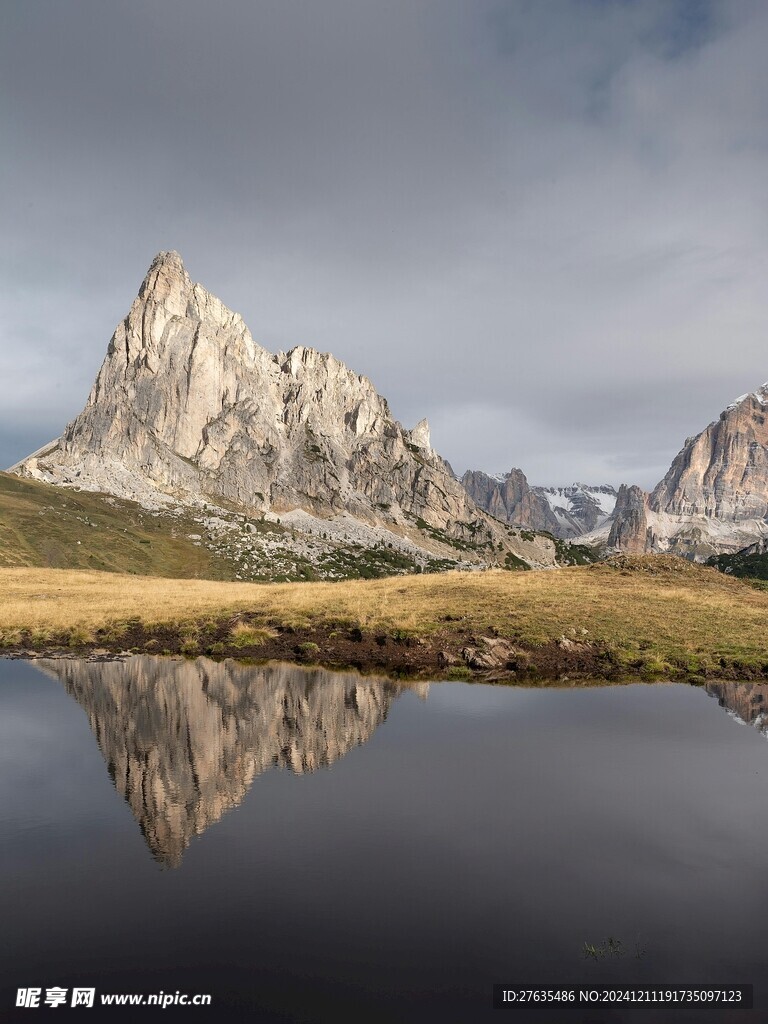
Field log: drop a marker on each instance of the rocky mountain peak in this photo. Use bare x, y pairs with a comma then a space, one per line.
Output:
760, 396
186, 405
420, 435
167, 283
565, 512
170, 260
722, 473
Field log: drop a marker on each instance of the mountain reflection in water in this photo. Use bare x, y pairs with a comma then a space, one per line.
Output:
484, 835
748, 702
183, 741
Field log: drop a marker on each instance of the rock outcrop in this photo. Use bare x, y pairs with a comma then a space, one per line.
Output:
629, 526
760, 547
184, 741
186, 404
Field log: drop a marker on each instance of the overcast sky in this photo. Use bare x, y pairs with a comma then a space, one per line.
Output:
542, 224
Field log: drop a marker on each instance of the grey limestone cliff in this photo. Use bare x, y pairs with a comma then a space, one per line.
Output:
722, 472
565, 512
188, 405
714, 497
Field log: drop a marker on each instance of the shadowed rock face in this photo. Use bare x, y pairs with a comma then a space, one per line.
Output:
183, 741
187, 404
565, 512
511, 500
629, 529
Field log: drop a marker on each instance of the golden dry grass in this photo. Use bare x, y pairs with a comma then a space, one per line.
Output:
243, 635
647, 607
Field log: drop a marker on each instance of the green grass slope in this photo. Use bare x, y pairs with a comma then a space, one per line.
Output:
50, 527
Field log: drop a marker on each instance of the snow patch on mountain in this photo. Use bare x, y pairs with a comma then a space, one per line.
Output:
761, 395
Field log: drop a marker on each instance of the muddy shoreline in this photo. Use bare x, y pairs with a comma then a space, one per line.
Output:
450, 653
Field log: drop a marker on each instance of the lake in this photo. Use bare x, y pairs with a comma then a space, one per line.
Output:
304, 845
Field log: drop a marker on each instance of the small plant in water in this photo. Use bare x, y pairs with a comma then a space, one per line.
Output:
615, 947
608, 947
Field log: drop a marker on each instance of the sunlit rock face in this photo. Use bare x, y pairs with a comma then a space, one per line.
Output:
184, 741
714, 497
187, 404
723, 471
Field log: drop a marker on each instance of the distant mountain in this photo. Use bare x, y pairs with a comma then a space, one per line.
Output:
712, 501
566, 512
580, 507
510, 499
714, 498
187, 408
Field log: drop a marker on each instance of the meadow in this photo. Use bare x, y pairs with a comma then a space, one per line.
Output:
656, 616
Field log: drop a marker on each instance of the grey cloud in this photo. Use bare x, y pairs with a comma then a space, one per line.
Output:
541, 225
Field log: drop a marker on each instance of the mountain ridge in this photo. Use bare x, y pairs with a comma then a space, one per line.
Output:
188, 410
713, 499
567, 513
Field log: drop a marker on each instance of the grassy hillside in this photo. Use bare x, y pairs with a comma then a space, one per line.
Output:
55, 527
65, 529
654, 616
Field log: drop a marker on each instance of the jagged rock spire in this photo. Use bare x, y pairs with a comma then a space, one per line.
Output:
188, 404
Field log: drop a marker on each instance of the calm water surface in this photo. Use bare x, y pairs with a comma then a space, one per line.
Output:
315, 846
